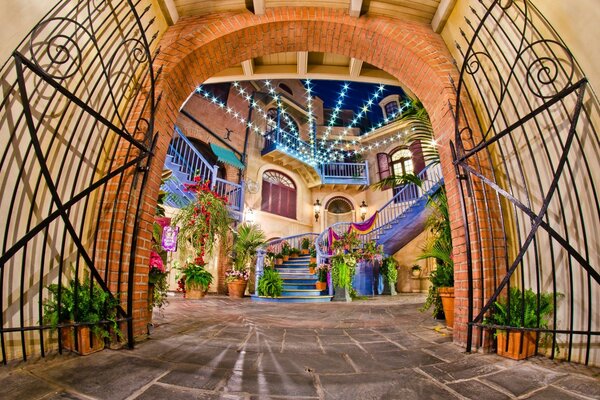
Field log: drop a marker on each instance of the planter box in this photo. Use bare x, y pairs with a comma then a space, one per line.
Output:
85, 344
388, 289
341, 294
514, 342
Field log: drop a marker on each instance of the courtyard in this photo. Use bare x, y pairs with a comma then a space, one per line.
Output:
217, 348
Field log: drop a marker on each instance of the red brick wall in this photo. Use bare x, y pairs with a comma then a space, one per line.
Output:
196, 48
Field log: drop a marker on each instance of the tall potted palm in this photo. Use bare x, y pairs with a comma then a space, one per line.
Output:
247, 239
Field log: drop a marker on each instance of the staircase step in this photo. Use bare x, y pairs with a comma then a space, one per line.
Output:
292, 275
292, 270
293, 299
301, 292
296, 281
300, 286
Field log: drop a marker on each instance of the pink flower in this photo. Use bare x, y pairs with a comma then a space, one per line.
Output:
156, 263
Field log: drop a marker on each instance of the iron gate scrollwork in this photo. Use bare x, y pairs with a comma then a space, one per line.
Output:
76, 123
526, 151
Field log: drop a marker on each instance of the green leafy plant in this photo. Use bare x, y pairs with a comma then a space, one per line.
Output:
522, 309
279, 256
322, 272
389, 270
270, 283
305, 243
196, 276
343, 268
312, 251
82, 302
294, 251
247, 239
285, 251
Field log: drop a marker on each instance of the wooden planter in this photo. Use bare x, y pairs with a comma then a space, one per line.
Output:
195, 293
514, 342
236, 288
85, 344
447, 295
278, 261
321, 286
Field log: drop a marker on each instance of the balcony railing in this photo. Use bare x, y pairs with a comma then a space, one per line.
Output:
345, 173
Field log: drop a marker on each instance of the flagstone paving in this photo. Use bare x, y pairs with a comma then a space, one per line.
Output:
217, 348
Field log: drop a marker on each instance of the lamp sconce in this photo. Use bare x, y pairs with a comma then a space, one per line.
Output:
317, 210
250, 216
363, 210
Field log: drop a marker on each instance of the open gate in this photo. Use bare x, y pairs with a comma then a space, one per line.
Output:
526, 152
76, 140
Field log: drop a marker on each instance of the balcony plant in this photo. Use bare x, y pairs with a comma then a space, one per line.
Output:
389, 272
518, 310
270, 283
305, 244
246, 240
196, 280
89, 307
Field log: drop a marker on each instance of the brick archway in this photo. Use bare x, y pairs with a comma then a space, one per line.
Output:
196, 48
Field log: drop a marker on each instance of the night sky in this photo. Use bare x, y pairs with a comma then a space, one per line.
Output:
357, 95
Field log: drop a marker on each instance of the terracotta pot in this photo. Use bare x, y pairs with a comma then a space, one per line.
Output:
514, 342
278, 261
294, 255
304, 251
313, 260
195, 293
285, 258
236, 288
447, 295
312, 270
415, 273
84, 346
321, 285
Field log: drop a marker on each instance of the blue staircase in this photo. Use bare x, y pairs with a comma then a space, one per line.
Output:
298, 284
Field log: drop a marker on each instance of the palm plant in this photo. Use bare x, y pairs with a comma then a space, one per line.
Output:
247, 239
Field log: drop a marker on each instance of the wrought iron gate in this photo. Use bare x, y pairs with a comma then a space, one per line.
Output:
76, 124
527, 154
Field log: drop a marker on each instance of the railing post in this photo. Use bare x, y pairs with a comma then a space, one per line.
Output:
260, 263
367, 179
213, 179
241, 199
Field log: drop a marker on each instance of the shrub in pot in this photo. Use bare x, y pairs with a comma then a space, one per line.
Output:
343, 268
519, 309
278, 259
312, 268
83, 303
322, 271
285, 251
389, 272
294, 252
304, 246
197, 280
270, 283
313, 253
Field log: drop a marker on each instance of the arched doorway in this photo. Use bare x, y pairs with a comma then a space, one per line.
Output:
339, 209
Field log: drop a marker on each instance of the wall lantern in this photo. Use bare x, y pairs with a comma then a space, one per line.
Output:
317, 209
363, 210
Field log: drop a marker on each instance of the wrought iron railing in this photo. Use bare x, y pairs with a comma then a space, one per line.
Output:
76, 139
391, 212
529, 166
345, 173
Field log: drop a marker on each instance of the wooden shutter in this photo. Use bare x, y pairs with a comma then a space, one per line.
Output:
266, 196
383, 162
417, 156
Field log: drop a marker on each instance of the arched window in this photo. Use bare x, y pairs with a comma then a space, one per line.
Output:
339, 209
401, 162
391, 108
278, 194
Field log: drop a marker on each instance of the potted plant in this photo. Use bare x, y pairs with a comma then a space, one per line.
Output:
294, 252
312, 268
285, 250
157, 281
85, 305
247, 239
305, 245
343, 268
439, 247
518, 310
322, 271
270, 283
278, 259
196, 279
313, 253
389, 272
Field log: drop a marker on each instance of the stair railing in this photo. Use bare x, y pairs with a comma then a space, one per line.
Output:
391, 212
275, 246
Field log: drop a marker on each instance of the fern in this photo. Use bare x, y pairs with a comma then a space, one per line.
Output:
270, 284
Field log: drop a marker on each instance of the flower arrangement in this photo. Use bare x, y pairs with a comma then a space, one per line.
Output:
371, 252
347, 242
234, 275
270, 251
157, 273
286, 249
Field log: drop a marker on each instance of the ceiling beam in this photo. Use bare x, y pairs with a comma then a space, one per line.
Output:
355, 67
259, 7
355, 7
169, 11
302, 61
248, 67
442, 14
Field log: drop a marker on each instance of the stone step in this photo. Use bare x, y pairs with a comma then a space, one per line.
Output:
301, 286
292, 275
293, 299
301, 292
296, 281
285, 270
292, 266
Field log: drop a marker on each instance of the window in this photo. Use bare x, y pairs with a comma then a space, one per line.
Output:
278, 194
391, 108
397, 163
286, 88
401, 162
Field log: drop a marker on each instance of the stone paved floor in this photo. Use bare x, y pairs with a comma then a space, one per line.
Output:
221, 349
